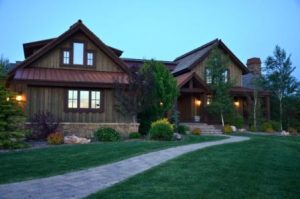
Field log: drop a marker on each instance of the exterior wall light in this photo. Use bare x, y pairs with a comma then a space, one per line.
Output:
19, 97
161, 103
237, 103
198, 102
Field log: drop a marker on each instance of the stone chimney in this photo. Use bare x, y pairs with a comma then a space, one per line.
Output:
254, 65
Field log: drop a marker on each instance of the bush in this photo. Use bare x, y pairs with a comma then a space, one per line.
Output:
107, 135
275, 125
196, 131
55, 138
227, 129
253, 129
292, 131
161, 130
238, 121
182, 129
43, 124
266, 127
134, 135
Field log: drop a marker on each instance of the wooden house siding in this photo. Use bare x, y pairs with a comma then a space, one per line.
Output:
235, 72
52, 99
53, 58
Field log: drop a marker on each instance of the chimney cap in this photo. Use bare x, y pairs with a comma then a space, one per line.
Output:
253, 60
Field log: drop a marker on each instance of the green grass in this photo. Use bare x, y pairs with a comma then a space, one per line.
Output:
264, 167
25, 165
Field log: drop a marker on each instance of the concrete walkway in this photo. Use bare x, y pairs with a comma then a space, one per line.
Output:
82, 183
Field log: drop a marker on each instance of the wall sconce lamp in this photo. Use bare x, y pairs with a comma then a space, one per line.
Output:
198, 102
237, 103
19, 97
161, 103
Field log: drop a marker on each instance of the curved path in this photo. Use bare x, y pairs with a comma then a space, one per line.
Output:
82, 183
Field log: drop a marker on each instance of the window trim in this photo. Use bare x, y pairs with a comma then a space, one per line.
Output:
84, 110
94, 59
85, 52
205, 72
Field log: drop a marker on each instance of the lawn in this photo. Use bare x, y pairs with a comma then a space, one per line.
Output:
263, 167
25, 165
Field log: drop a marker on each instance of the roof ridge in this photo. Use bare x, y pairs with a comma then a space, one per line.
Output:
196, 49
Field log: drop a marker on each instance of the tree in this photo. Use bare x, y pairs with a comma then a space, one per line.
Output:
279, 77
11, 121
132, 98
257, 83
217, 65
3, 66
161, 98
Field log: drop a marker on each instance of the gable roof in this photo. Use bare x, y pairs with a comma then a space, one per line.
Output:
78, 26
189, 60
30, 47
184, 78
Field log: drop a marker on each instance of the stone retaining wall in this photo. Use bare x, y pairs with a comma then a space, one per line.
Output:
87, 129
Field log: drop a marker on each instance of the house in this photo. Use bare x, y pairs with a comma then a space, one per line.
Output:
72, 76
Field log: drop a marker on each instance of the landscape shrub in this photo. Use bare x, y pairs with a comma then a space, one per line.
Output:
107, 135
161, 130
55, 138
252, 129
275, 125
227, 129
182, 129
266, 127
43, 124
196, 131
292, 131
134, 135
238, 121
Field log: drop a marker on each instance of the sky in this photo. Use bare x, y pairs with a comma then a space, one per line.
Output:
158, 29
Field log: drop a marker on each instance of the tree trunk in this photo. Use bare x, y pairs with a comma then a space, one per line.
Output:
222, 118
254, 110
280, 113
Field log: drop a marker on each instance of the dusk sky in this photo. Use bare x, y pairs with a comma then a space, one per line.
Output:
162, 30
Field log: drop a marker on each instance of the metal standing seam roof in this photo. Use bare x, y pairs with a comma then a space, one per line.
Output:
69, 75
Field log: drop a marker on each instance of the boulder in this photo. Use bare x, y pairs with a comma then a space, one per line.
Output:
233, 128
285, 133
242, 130
73, 139
177, 136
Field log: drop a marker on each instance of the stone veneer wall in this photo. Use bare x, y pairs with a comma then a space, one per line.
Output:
87, 129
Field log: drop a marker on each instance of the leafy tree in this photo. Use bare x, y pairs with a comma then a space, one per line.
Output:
161, 98
3, 66
279, 77
11, 121
221, 103
132, 98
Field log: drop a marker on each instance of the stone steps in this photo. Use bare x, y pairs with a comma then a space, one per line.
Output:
205, 128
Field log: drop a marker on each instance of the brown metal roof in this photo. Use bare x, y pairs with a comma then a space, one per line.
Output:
69, 76
137, 63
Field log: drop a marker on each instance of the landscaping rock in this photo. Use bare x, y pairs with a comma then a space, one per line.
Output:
233, 128
177, 136
242, 130
285, 133
73, 139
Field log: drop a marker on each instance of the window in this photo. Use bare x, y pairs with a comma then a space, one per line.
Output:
84, 99
78, 53
88, 100
72, 99
90, 59
225, 76
66, 57
95, 99
208, 75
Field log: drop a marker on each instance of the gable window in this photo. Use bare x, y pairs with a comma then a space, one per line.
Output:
66, 57
84, 100
225, 76
72, 99
208, 76
78, 53
90, 59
